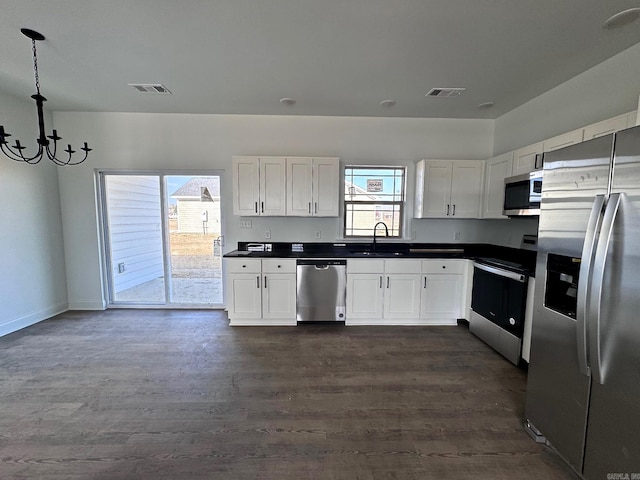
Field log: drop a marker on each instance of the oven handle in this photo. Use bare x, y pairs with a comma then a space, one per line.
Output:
503, 273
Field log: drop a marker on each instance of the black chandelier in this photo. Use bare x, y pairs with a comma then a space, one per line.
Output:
15, 152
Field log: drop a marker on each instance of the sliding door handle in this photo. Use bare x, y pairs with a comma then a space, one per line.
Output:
595, 304
584, 281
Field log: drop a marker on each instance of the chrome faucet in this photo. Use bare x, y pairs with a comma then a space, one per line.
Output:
375, 227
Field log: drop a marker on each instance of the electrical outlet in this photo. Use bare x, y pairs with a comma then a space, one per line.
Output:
456, 236
121, 267
267, 234
318, 234
245, 223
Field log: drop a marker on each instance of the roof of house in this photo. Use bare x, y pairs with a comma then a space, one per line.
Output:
193, 188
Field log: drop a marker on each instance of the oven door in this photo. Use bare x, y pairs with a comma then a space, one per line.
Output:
500, 297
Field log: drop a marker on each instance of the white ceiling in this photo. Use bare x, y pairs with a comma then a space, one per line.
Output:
334, 57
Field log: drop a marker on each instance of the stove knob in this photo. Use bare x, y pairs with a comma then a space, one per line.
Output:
512, 321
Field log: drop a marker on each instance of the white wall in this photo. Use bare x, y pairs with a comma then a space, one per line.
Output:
201, 142
32, 269
610, 88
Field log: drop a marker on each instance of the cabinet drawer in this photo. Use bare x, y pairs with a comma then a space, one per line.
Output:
362, 265
244, 265
443, 266
278, 265
401, 266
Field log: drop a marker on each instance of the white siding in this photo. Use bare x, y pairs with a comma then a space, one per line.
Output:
190, 216
133, 209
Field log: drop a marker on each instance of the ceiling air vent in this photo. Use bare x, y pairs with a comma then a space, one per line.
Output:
151, 88
445, 92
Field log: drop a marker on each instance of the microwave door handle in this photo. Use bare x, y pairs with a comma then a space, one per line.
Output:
600, 263
584, 277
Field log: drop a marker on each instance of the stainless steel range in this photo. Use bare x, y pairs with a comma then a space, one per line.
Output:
499, 314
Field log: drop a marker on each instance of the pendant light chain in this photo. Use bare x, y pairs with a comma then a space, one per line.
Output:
35, 66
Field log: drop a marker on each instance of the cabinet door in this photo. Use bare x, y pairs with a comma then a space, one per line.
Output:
246, 185
272, 186
364, 296
524, 159
496, 170
441, 298
466, 189
244, 296
326, 185
401, 297
299, 187
436, 195
562, 141
279, 296
606, 127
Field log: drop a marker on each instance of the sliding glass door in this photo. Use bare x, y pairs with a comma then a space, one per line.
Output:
163, 239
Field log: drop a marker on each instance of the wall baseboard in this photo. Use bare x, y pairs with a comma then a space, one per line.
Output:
87, 305
31, 319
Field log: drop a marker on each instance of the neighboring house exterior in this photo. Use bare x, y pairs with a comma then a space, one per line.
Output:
198, 206
135, 230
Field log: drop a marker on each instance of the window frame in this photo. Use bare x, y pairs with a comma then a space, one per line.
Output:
401, 204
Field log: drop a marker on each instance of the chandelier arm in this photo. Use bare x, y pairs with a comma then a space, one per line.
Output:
19, 156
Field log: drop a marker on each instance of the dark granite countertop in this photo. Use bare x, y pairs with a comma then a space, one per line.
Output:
397, 250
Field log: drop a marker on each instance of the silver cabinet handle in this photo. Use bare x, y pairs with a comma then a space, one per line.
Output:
309, 208
387, 282
262, 204
454, 209
265, 281
595, 347
584, 278
315, 206
425, 282
380, 281
447, 209
258, 281
256, 207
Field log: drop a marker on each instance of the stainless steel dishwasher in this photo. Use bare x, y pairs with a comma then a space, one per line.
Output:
321, 290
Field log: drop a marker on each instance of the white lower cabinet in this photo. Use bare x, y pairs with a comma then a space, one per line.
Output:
444, 291
261, 292
364, 296
406, 292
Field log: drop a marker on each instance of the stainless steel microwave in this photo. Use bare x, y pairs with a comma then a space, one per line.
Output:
522, 194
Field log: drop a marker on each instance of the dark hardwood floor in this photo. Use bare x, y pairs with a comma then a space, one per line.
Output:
159, 394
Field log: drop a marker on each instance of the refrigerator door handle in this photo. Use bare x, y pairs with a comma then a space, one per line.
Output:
588, 250
598, 279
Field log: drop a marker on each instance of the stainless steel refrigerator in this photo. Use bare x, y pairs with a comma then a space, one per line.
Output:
583, 387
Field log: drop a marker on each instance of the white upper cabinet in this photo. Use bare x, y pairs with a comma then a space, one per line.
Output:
272, 186
496, 170
292, 186
448, 188
312, 186
326, 187
258, 186
299, 186
562, 141
524, 159
246, 185
606, 127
